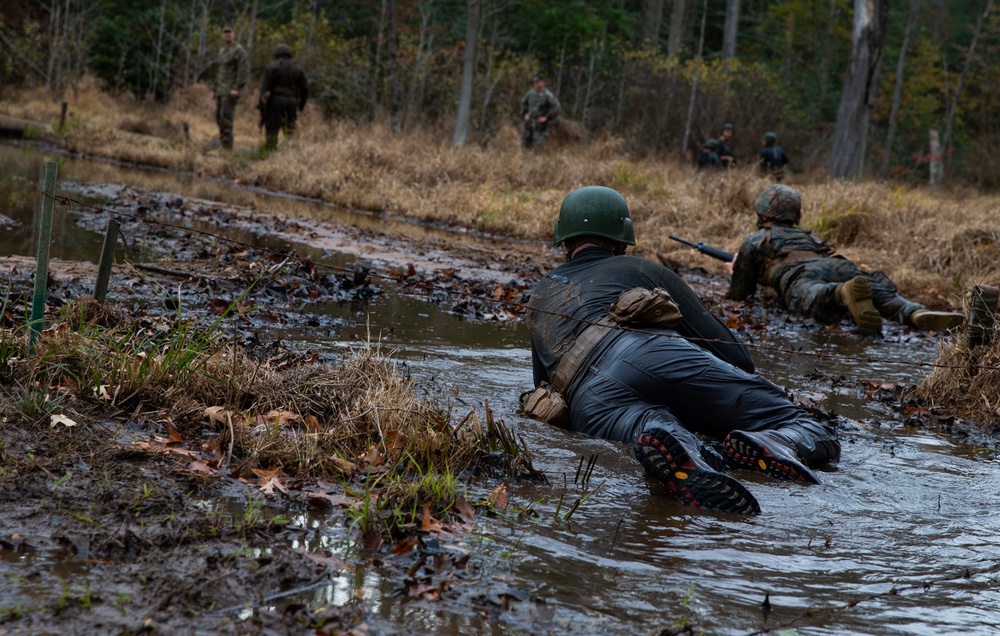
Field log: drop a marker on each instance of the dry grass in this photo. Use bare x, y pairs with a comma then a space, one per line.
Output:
933, 243
312, 420
967, 382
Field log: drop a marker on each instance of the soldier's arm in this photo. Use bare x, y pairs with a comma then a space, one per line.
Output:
743, 283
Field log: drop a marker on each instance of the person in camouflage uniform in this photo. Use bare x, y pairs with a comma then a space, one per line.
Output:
811, 280
282, 95
230, 82
725, 153
539, 108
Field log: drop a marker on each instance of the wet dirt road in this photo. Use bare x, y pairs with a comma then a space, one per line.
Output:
899, 539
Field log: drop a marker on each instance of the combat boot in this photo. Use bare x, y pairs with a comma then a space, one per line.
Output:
856, 295
689, 477
929, 320
767, 452
982, 314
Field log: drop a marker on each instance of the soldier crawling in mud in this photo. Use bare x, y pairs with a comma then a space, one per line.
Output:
539, 108
282, 95
230, 81
623, 349
811, 280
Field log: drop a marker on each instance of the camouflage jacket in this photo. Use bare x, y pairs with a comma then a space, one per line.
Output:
234, 70
540, 104
769, 254
285, 77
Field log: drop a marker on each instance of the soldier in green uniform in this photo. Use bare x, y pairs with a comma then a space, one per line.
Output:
230, 82
282, 95
811, 280
539, 107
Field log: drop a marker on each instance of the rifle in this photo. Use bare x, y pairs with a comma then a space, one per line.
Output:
708, 250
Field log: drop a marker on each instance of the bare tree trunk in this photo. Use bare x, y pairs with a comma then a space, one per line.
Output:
468, 73
897, 93
789, 44
394, 93
159, 48
946, 144
424, 41
652, 21
936, 167
938, 21
824, 66
54, 23
376, 66
694, 82
850, 134
252, 30
677, 14
730, 29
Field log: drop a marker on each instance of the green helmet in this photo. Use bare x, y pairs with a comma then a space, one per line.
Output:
770, 137
282, 50
778, 203
595, 211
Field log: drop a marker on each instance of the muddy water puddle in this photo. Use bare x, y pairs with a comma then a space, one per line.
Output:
908, 508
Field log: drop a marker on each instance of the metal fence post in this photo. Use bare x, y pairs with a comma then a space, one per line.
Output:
107, 259
42, 260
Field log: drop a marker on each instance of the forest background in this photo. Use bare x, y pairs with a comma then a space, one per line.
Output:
661, 76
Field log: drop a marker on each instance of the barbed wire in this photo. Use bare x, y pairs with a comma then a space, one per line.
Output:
518, 307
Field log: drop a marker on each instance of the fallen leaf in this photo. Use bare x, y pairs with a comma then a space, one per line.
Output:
312, 424
464, 510
273, 483
175, 436
343, 465
429, 523
218, 415
323, 500
201, 466
60, 419
498, 498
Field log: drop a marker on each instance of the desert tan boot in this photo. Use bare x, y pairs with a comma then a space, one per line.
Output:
856, 295
936, 320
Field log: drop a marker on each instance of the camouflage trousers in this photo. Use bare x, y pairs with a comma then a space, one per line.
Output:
225, 114
282, 112
809, 288
535, 135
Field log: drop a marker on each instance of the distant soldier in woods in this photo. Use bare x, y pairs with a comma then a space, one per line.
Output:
725, 153
282, 95
539, 107
230, 81
772, 158
709, 157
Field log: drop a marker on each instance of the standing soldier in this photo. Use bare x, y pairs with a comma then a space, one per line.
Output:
772, 158
282, 95
539, 107
724, 152
230, 81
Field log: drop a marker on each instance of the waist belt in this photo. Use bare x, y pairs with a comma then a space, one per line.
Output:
577, 355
